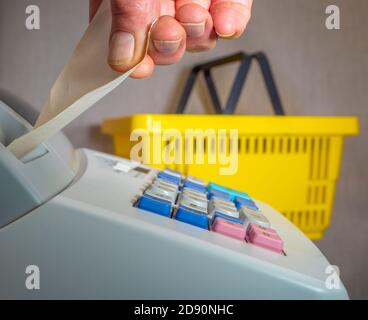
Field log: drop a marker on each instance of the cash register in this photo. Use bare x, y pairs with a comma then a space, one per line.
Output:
97, 226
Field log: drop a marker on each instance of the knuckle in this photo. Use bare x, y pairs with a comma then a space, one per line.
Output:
133, 13
129, 7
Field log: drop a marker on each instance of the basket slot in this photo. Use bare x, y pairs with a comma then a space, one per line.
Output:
327, 159
247, 145
316, 194
309, 194
320, 155
321, 218
281, 145
305, 145
271, 145
316, 219
288, 145
264, 145
307, 220
323, 195
311, 172
255, 145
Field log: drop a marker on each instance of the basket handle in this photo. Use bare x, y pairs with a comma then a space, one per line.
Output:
240, 79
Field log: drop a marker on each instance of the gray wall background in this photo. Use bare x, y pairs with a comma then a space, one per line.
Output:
319, 72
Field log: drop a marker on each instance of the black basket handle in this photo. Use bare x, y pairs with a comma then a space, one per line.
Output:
240, 79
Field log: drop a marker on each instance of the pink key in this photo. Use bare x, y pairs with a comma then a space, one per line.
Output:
264, 237
252, 227
231, 229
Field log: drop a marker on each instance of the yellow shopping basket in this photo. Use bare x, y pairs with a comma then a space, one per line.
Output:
290, 162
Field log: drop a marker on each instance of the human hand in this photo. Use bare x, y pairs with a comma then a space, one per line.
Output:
192, 25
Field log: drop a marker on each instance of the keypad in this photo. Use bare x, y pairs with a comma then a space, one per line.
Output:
212, 207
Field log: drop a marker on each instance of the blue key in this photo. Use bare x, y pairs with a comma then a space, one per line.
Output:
233, 193
226, 217
249, 203
155, 205
218, 194
192, 217
195, 186
169, 178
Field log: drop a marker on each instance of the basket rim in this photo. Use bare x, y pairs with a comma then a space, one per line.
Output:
245, 124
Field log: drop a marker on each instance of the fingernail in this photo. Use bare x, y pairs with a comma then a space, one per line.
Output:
194, 29
225, 36
226, 30
167, 46
121, 48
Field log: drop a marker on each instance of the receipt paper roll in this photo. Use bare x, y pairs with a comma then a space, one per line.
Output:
85, 79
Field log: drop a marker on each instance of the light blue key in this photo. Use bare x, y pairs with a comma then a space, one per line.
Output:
233, 193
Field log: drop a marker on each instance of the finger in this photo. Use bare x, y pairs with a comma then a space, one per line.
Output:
131, 21
193, 14
167, 41
230, 17
93, 7
145, 69
198, 24
167, 8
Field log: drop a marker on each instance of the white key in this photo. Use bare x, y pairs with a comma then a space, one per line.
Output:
167, 185
251, 216
193, 206
223, 202
167, 191
225, 209
160, 195
195, 193
189, 201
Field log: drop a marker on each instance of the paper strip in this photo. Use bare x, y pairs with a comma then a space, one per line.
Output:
85, 79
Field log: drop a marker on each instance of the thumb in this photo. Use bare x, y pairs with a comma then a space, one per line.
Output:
130, 23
